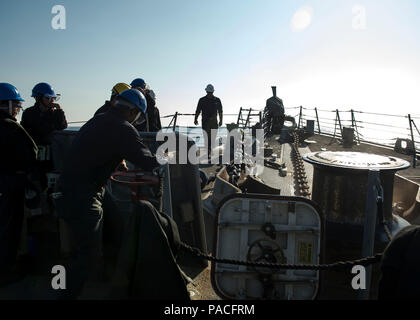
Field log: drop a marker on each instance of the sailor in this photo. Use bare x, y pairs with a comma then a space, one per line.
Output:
141, 124
116, 90
45, 116
138, 83
400, 266
40, 121
98, 148
18, 156
210, 106
153, 115
274, 114
152, 120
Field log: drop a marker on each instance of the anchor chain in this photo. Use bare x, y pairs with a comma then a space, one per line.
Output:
339, 265
299, 167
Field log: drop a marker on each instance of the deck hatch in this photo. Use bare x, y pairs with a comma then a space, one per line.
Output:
297, 240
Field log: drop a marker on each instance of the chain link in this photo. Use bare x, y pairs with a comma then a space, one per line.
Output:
299, 167
333, 266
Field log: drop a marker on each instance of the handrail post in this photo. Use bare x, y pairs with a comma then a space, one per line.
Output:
175, 119
317, 120
239, 116
339, 122
412, 139
248, 118
170, 123
300, 116
354, 125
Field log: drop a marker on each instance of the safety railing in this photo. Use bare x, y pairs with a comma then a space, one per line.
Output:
381, 129
378, 128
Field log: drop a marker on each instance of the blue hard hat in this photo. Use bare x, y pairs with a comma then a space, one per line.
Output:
135, 97
43, 89
138, 83
9, 92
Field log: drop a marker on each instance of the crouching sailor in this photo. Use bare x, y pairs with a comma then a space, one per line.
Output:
99, 147
18, 157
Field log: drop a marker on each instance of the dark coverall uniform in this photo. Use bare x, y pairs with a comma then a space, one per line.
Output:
100, 145
104, 108
153, 117
152, 122
400, 266
209, 106
274, 115
40, 126
17, 159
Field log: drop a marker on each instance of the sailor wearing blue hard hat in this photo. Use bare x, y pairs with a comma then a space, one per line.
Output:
134, 101
151, 122
98, 148
18, 158
45, 116
11, 101
40, 121
138, 83
141, 124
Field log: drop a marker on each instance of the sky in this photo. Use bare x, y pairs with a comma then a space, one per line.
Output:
328, 54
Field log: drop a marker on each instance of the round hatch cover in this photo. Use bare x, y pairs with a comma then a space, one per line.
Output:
355, 160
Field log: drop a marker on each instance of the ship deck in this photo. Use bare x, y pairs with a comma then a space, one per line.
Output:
202, 287
32, 286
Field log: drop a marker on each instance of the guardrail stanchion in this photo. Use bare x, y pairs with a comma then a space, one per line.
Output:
300, 116
354, 125
412, 139
317, 120
339, 122
175, 118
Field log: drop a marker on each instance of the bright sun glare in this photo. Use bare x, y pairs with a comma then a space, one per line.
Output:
302, 19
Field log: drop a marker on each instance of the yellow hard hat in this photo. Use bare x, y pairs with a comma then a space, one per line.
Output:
120, 87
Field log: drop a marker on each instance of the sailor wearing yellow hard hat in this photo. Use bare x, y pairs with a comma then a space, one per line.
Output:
116, 90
